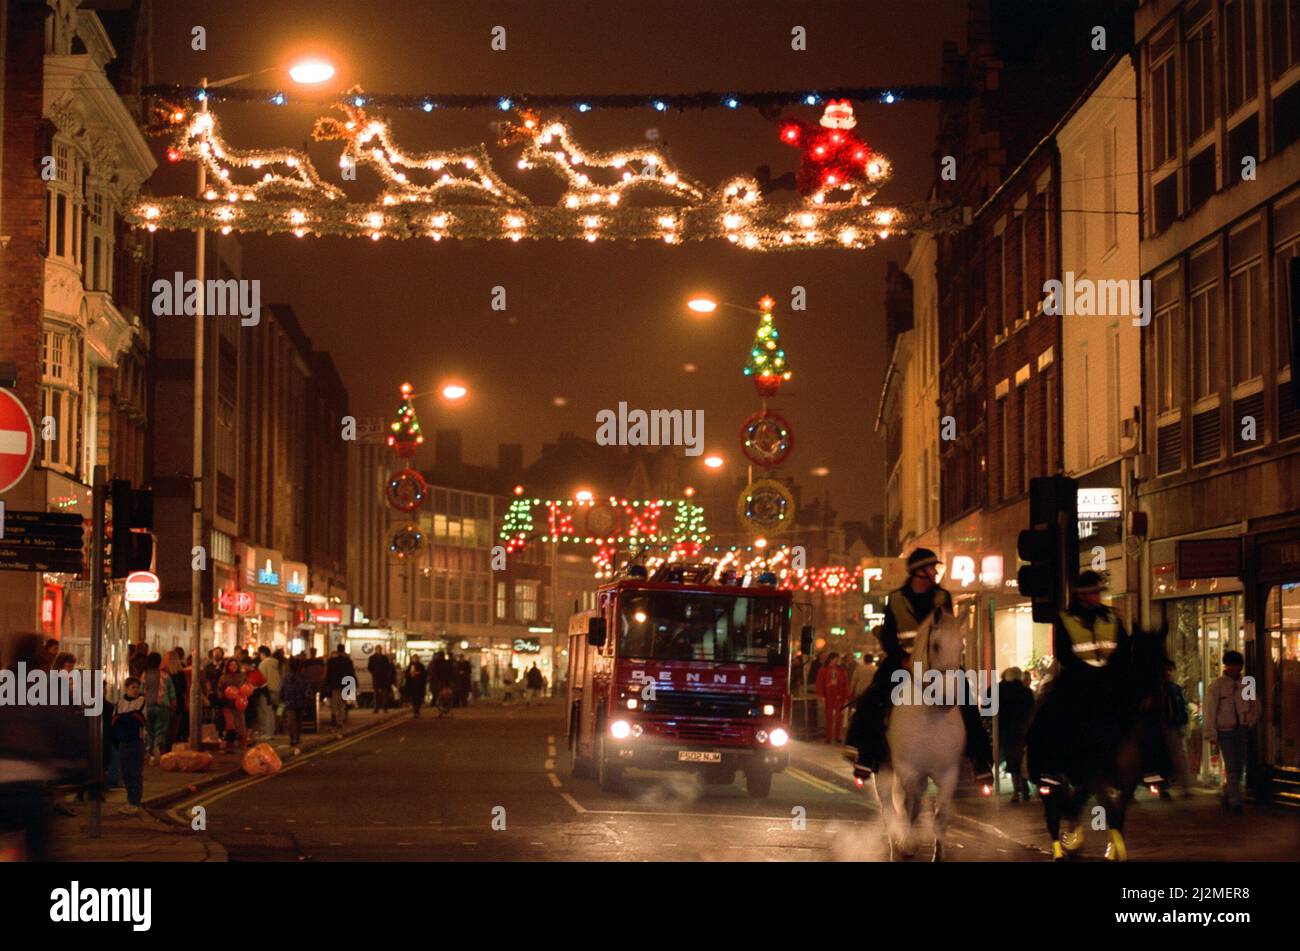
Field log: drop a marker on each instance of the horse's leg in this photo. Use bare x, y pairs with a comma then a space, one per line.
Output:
947, 783
912, 786
1116, 806
884, 780
1073, 803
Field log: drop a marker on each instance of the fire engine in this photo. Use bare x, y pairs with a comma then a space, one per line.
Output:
676, 671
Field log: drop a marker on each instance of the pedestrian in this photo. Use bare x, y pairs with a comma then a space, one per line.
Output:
415, 684
484, 682
135, 666
229, 691
863, 673
296, 695
381, 678
1175, 721
462, 672
337, 672
50, 659
159, 703
269, 668
1231, 710
175, 672
129, 729
440, 674
1015, 707
535, 682
833, 689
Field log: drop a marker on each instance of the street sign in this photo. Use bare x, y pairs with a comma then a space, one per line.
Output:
17, 440
42, 541
327, 616
142, 587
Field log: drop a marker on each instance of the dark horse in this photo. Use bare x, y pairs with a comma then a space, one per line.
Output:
1109, 722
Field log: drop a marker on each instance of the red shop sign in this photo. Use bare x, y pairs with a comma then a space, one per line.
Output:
236, 602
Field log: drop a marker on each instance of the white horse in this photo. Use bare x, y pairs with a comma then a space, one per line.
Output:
926, 741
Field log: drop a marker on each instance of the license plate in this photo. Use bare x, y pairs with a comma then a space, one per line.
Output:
691, 756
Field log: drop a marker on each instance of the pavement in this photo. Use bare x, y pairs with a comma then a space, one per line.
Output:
152, 836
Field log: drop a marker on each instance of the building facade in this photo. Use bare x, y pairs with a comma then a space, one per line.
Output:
1219, 83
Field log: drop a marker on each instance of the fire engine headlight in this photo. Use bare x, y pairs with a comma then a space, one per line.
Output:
637, 729
761, 736
769, 710
779, 737
620, 729
631, 703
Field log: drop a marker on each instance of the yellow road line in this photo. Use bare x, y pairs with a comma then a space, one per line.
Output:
207, 798
814, 781
577, 806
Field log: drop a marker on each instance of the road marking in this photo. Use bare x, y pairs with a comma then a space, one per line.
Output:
577, 806
551, 740
555, 780
208, 798
550, 764
469, 843
702, 815
814, 781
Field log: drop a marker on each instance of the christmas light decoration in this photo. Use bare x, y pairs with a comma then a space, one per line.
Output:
766, 439
407, 541
581, 102
611, 521
765, 507
404, 432
767, 363
369, 142
467, 199
835, 161
406, 490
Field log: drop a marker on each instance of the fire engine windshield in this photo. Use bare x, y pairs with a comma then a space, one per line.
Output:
679, 625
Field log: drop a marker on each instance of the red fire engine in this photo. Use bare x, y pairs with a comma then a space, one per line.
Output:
675, 671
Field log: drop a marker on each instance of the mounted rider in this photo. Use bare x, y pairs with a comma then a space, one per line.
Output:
905, 610
1084, 638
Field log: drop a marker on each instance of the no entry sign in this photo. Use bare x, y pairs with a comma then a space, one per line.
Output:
17, 441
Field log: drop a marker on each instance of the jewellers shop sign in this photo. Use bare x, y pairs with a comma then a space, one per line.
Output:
263, 568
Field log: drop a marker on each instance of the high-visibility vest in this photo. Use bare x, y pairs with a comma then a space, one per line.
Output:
1092, 645
908, 622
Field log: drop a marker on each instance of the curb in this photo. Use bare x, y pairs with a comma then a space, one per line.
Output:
166, 800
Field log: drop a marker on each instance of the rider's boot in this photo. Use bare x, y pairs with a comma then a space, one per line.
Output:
978, 748
1116, 851
1072, 838
1058, 854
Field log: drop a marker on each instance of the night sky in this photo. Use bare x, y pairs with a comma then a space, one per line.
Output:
594, 323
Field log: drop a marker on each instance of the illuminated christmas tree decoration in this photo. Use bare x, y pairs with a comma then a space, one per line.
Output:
767, 363
404, 431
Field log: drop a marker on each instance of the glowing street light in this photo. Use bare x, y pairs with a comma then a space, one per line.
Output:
702, 305
454, 391
714, 461
310, 71
583, 495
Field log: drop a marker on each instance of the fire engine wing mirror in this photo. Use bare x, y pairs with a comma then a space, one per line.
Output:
806, 639
596, 631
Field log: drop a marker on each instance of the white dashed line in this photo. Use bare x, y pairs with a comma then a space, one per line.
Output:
577, 806
555, 780
549, 764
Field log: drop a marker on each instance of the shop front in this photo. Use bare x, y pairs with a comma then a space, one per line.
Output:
1275, 558
1196, 590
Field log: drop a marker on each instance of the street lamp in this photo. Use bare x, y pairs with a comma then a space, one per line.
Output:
311, 71
714, 462
707, 305
454, 391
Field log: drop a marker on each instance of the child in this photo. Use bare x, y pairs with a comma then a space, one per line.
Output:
1231, 715
128, 728
235, 721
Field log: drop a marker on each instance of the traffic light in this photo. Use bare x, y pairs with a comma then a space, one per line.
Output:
132, 545
1050, 546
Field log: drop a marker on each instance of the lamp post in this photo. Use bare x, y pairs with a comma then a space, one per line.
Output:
308, 71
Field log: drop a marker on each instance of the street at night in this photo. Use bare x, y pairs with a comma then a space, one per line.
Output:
540, 435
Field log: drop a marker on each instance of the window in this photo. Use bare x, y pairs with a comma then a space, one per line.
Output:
1200, 74
1286, 226
1239, 19
1284, 31
501, 600
1164, 101
1080, 191
1168, 316
61, 397
1111, 219
1049, 422
1246, 301
1206, 336
999, 261
525, 601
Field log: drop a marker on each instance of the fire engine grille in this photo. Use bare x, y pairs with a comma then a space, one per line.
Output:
702, 732
702, 704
